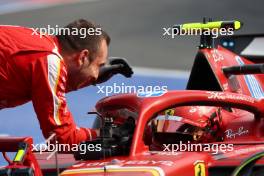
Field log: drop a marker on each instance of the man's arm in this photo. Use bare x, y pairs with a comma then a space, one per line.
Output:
48, 96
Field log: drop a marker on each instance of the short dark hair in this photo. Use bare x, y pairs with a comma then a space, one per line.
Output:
73, 43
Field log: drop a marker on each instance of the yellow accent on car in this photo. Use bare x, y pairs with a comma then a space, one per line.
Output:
19, 156
212, 25
199, 169
238, 25
152, 171
169, 112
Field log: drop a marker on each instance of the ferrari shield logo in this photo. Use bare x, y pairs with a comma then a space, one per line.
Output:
169, 112
199, 169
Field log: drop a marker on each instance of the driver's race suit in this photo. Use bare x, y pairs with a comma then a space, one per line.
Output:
31, 68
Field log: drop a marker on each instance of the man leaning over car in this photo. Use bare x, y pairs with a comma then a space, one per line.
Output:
42, 69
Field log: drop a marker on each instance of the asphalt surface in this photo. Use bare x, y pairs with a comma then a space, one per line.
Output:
136, 26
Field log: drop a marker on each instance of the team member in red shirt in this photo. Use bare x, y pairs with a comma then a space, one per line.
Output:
43, 68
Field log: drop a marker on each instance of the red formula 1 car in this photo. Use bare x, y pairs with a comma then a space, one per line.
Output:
215, 127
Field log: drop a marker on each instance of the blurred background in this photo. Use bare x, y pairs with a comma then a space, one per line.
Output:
136, 25
136, 29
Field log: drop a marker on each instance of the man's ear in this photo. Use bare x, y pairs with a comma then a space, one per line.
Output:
83, 57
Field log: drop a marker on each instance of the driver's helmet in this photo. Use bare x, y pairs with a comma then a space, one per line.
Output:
186, 123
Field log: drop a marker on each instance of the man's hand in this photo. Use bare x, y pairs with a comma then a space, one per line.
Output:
116, 65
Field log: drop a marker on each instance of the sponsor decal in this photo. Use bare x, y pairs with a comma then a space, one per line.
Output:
230, 134
167, 117
217, 56
127, 162
223, 96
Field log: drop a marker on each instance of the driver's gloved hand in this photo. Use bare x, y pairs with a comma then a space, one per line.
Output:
125, 130
116, 65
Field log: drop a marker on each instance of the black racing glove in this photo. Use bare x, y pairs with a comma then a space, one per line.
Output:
125, 130
116, 65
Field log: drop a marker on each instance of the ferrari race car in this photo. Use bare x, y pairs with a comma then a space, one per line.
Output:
214, 128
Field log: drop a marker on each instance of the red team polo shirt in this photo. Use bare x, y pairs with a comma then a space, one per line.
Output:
31, 69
